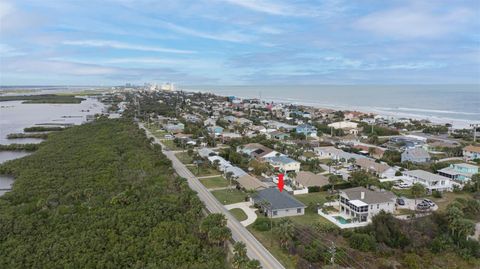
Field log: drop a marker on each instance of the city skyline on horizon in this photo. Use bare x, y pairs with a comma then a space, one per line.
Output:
239, 42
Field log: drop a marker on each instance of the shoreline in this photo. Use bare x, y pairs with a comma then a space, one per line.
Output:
456, 123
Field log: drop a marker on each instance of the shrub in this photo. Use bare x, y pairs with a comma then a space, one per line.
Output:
363, 242
262, 224
313, 189
437, 194
398, 173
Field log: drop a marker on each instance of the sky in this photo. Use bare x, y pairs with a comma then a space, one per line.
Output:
239, 42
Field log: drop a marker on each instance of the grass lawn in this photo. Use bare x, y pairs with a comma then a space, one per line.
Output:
407, 193
314, 197
309, 154
184, 157
310, 219
449, 197
204, 171
232, 196
404, 211
170, 145
264, 237
214, 182
238, 214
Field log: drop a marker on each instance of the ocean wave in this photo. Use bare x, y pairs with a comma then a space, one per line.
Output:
434, 111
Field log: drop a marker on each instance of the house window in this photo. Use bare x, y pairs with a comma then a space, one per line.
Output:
299, 210
275, 212
371, 206
378, 206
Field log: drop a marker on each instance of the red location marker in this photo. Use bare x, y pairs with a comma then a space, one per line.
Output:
280, 182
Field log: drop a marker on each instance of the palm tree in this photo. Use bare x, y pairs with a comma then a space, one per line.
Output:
329, 164
253, 264
240, 258
229, 176
284, 232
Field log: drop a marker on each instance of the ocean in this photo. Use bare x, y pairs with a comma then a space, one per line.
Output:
456, 104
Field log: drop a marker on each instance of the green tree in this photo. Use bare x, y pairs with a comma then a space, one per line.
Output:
284, 231
253, 264
240, 258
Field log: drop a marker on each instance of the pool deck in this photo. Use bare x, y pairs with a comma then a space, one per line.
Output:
332, 219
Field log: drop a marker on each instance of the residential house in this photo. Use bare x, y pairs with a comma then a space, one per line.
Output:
222, 163
432, 182
335, 154
206, 152
306, 129
459, 171
215, 130
192, 118
278, 135
415, 155
284, 164
277, 204
210, 122
343, 125
256, 150
280, 126
174, 127
305, 179
471, 152
362, 204
250, 183
379, 169
236, 171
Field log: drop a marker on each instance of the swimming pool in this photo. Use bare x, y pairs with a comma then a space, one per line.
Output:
341, 220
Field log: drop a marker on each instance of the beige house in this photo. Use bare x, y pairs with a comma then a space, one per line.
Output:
379, 169
305, 179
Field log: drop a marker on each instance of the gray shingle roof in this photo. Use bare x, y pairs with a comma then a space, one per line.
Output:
277, 199
371, 197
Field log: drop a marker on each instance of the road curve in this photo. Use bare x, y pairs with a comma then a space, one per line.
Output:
255, 249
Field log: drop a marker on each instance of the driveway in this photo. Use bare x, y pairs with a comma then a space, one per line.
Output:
250, 212
410, 204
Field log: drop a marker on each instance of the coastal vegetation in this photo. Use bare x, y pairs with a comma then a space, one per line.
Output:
43, 99
42, 129
19, 147
101, 195
31, 135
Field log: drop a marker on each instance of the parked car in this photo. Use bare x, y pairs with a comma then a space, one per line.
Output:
429, 202
400, 201
423, 206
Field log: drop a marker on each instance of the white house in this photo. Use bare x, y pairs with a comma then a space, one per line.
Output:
343, 125
379, 169
222, 163
335, 154
361, 204
431, 181
284, 164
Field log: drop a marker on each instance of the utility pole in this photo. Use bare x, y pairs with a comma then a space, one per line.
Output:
475, 126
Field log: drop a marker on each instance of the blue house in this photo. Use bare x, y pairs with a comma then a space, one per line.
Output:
307, 130
216, 130
459, 171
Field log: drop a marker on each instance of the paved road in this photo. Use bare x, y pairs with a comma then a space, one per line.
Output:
255, 249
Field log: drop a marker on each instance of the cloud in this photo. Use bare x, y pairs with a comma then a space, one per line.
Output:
273, 8
230, 36
9, 51
121, 45
414, 22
